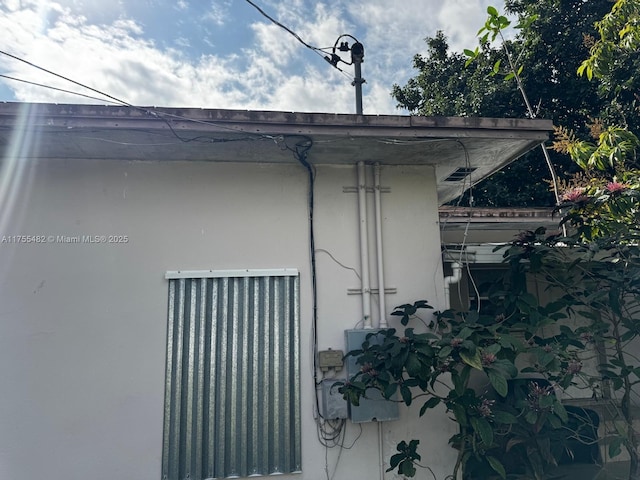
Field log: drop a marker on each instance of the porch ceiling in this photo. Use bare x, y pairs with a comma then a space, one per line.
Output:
48, 131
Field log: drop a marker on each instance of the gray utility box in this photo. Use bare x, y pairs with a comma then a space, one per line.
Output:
375, 407
333, 405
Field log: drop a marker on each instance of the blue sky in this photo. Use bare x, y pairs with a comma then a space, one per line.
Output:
223, 53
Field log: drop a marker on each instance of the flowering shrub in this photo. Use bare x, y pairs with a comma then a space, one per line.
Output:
499, 433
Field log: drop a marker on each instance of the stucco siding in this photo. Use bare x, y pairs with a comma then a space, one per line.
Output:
83, 325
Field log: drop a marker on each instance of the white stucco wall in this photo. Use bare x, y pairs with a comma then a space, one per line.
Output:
83, 326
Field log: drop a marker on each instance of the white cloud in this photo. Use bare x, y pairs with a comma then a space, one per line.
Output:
182, 42
218, 13
461, 19
274, 71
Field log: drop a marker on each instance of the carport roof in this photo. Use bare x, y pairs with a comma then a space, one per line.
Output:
462, 150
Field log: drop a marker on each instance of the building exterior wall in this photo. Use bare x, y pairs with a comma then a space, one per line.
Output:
83, 325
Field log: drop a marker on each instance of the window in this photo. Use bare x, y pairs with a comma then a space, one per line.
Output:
232, 394
475, 286
481, 279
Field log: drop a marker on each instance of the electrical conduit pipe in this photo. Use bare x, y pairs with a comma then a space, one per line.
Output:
451, 280
379, 254
364, 246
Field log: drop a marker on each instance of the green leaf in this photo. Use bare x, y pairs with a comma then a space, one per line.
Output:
504, 417
465, 332
406, 395
431, 403
413, 365
460, 379
546, 401
426, 350
559, 410
469, 53
445, 351
406, 468
390, 390
483, 428
472, 360
555, 421
492, 11
497, 466
615, 447
531, 417
395, 460
460, 414
499, 383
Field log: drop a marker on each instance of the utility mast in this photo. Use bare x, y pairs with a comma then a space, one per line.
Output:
357, 57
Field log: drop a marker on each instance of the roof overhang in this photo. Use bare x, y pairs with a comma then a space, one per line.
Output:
474, 218
453, 145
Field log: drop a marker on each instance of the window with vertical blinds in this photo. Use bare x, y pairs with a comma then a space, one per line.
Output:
232, 395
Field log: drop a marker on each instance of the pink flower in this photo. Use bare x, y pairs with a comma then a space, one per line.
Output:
488, 359
574, 367
485, 407
575, 195
615, 187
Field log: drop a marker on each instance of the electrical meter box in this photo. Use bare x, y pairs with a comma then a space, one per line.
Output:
374, 408
333, 405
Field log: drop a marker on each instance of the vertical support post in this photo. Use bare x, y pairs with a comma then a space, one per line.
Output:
357, 82
357, 57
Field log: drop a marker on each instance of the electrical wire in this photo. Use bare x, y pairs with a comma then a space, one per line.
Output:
58, 89
346, 267
329, 432
317, 50
295, 35
300, 151
461, 259
116, 100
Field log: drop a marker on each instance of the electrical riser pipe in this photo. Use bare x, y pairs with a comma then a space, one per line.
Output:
379, 250
364, 245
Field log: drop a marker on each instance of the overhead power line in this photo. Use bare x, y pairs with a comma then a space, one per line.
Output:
65, 78
311, 47
57, 89
160, 115
317, 50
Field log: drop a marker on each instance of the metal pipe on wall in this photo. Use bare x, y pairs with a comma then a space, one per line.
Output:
379, 251
451, 280
381, 451
364, 245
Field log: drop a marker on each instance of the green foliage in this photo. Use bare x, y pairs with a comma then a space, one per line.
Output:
405, 459
614, 147
550, 43
615, 51
606, 209
509, 425
597, 272
467, 363
445, 87
476, 355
